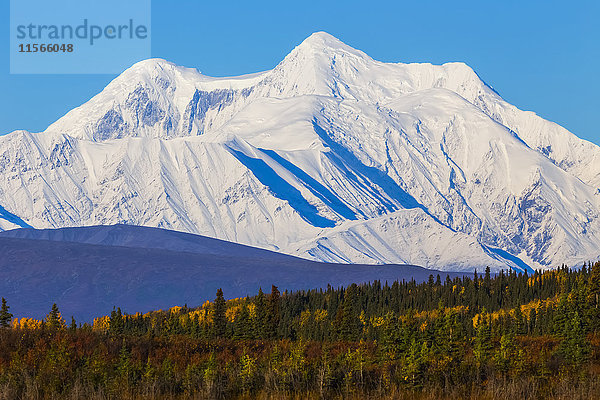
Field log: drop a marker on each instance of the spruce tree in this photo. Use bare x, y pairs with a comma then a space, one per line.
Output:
561, 315
115, 324
482, 345
273, 315
520, 326
594, 284
506, 355
487, 284
260, 312
593, 290
219, 318
243, 328
574, 346
413, 366
73, 326
349, 327
5, 315
54, 319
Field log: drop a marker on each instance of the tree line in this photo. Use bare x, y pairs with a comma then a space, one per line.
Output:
492, 335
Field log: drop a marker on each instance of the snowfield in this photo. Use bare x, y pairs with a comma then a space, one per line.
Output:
330, 156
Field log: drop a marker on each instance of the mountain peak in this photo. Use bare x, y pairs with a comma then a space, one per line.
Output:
157, 68
151, 65
323, 45
318, 65
322, 39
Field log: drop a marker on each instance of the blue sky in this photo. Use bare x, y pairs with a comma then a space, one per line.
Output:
539, 55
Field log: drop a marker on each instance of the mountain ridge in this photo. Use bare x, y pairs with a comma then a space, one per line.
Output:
331, 156
141, 269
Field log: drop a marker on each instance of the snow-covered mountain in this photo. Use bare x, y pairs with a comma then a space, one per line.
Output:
331, 156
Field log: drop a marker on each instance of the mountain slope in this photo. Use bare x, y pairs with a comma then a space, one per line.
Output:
142, 269
331, 156
144, 237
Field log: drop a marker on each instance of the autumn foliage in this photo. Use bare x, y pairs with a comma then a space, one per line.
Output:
490, 336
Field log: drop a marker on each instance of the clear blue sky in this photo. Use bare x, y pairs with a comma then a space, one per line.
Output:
542, 56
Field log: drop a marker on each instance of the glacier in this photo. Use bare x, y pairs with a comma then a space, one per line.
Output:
330, 156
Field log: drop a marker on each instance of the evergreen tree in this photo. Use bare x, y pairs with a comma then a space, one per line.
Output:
482, 345
451, 335
219, 318
594, 284
54, 319
574, 346
487, 281
520, 323
260, 312
414, 363
115, 324
531, 322
349, 326
5, 315
561, 314
506, 354
124, 366
73, 326
273, 317
243, 326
